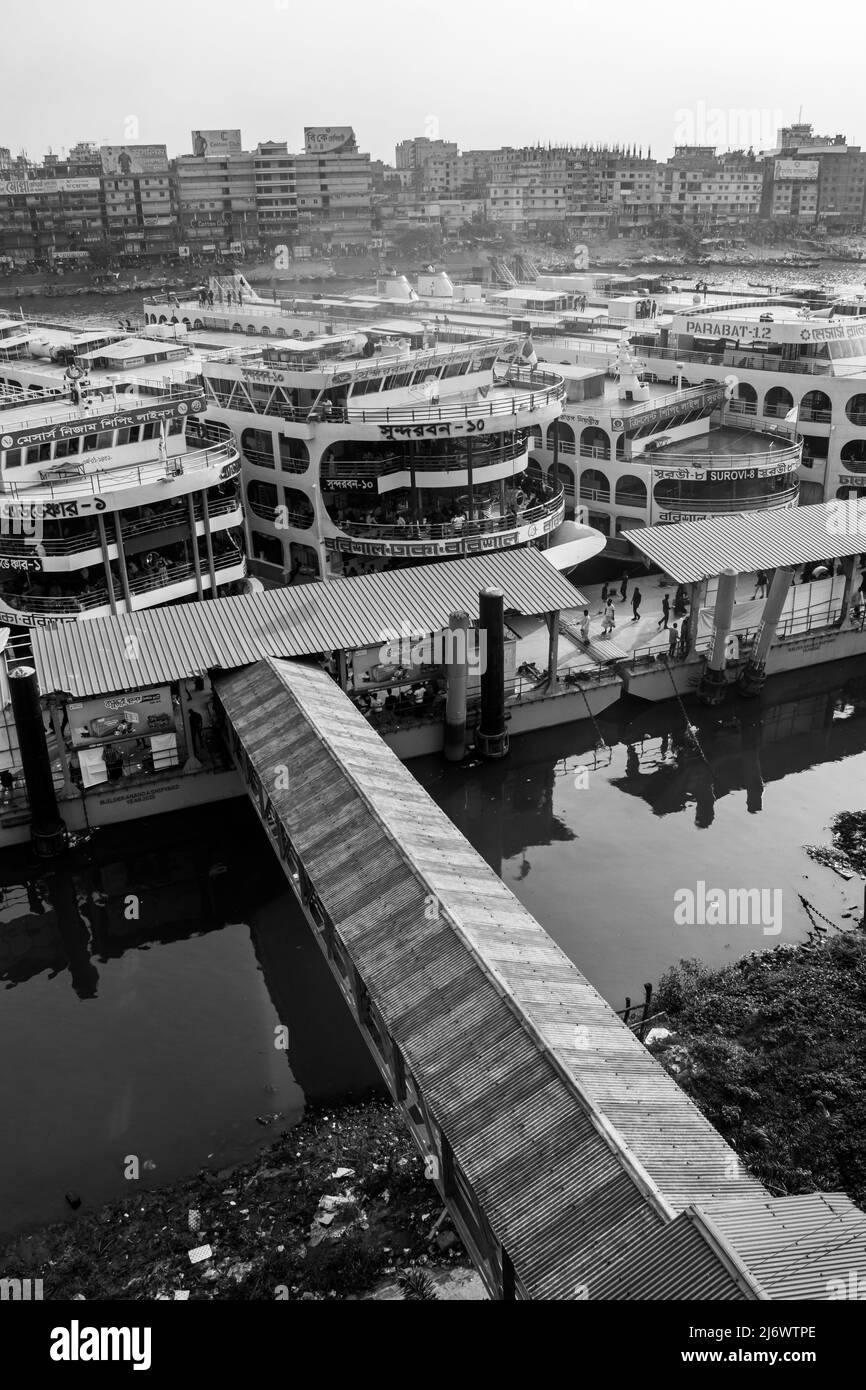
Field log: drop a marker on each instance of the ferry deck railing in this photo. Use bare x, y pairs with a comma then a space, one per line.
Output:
109, 479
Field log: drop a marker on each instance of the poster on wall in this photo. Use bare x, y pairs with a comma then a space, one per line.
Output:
107, 718
125, 161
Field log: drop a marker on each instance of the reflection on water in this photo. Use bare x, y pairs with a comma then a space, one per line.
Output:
145, 979
145, 984
598, 856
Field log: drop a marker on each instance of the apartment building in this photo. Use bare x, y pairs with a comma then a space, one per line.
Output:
216, 194
334, 184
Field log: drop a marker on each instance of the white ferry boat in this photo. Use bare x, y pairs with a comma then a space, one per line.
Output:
115, 494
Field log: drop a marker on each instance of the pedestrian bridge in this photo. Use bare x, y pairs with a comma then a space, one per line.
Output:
573, 1166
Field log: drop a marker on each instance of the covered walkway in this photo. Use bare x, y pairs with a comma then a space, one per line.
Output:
570, 1161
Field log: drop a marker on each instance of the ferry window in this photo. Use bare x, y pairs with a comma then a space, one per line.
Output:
175, 426
12, 458
65, 447
39, 453
455, 369
258, 447
267, 548
128, 435
294, 455
150, 431
262, 499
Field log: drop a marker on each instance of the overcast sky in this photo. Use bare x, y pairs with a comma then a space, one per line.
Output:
512, 72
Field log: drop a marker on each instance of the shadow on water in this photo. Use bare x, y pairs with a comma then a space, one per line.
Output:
163, 997
596, 837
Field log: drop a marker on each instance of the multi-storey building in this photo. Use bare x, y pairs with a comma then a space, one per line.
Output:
138, 206
216, 197
412, 154
275, 189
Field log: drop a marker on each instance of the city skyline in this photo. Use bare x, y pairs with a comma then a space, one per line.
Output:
525, 89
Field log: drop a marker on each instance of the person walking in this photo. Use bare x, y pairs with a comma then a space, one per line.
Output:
673, 642
761, 582
666, 612
584, 626
635, 603
609, 622
623, 588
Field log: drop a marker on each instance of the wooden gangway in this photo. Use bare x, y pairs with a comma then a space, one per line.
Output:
573, 1165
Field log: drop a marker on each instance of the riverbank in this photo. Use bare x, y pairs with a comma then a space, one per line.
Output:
773, 1047
337, 1208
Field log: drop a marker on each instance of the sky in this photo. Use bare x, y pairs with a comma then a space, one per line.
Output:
481, 73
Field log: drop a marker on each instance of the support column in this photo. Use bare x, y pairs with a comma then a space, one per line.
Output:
849, 564
553, 652
196, 562
711, 690
470, 479
413, 484
57, 725
106, 562
753, 674
208, 543
121, 560
47, 828
491, 738
192, 763
456, 667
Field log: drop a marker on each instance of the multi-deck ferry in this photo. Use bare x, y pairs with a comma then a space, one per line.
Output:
115, 493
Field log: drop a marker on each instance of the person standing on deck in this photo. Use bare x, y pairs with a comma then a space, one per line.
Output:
685, 638
760, 585
584, 626
673, 642
623, 588
603, 597
609, 622
635, 603
666, 612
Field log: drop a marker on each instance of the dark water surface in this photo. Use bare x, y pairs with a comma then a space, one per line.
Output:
153, 1035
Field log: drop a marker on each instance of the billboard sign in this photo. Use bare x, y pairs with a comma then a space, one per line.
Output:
125, 161
111, 419
215, 144
11, 188
797, 168
328, 139
138, 714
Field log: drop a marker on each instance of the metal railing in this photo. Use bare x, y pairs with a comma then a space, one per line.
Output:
755, 361
413, 530
18, 546
535, 397
109, 479
97, 597
715, 505
483, 456
788, 454
103, 403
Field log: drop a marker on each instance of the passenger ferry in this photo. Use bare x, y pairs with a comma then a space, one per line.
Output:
115, 493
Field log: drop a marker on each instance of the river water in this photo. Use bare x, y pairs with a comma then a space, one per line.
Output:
144, 981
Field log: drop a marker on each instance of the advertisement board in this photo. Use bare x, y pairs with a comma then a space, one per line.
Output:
110, 419
215, 144
797, 168
328, 139
125, 161
107, 718
10, 188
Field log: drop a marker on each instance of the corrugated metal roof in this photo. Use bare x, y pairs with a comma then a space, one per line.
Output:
577, 1142
677, 1262
798, 1247
164, 644
693, 550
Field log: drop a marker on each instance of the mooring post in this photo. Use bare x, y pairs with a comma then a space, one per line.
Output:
491, 737
456, 670
46, 824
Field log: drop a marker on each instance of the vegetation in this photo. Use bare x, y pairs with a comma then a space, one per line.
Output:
773, 1050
